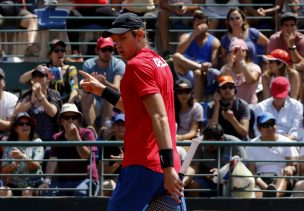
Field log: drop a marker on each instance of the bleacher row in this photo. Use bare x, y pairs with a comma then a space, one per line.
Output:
52, 24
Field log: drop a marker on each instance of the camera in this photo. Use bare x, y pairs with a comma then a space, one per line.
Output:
224, 105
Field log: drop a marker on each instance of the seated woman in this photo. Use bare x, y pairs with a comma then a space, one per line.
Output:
188, 114
244, 72
22, 160
42, 103
238, 27
279, 65
62, 77
269, 172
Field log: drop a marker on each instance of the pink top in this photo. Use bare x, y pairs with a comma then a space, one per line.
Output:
245, 90
277, 41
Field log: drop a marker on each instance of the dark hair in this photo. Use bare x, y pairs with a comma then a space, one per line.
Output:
245, 25
177, 103
13, 136
213, 131
198, 14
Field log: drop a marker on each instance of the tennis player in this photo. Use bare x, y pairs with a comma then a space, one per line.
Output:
151, 161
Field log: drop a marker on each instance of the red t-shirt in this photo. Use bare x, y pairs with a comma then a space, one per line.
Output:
146, 73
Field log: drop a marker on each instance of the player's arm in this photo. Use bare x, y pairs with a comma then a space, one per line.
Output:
91, 84
156, 108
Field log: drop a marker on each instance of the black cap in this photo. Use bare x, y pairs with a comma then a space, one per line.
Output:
124, 23
2, 73
288, 16
40, 69
55, 42
183, 81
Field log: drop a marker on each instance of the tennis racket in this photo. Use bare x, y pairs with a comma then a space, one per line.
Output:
166, 202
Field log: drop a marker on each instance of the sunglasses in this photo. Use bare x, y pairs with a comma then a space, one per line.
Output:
106, 49
272, 61
57, 50
268, 125
67, 117
224, 87
23, 123
235, 18
183, 91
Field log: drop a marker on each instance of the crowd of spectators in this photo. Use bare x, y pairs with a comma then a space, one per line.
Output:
251, 82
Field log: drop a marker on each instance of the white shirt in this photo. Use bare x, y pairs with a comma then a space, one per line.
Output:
7, 105
254, 153
288, 120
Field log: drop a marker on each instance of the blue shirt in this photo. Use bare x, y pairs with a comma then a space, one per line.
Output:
198, 53
116, 67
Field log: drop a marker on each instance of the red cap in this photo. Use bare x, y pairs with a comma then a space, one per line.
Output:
105, 42
279, 55
225, 79
279, 87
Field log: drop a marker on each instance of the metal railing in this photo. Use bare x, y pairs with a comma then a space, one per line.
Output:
103, 175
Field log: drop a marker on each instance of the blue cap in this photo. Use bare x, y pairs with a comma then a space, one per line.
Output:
264, 117
119, 117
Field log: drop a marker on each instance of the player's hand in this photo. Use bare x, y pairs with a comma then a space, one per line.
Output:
173, 184
91, 84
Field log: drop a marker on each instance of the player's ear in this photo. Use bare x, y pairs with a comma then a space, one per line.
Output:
140, 33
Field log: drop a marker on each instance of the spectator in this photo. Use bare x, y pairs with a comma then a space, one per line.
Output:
148, 12
62, 77
244, 72
7, 106
84, 9
266, 124
299, 186
269, 12
295, 7
278, 65
113, 152
188, 113
231, 112
112, 70
288, 38
173, 8
217, 10
196, 52
41, 103
70, 119
287, 111
238, 27
24, 19
212, 132
23, 159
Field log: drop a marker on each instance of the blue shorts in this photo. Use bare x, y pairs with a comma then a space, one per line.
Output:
135, 188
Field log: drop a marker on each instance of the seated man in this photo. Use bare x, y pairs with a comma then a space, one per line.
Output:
287, 111
70, 119
231, 112
111, 70
213, 132
24, 19
7, 106
196, 52
175, 8
266, 124
113, 152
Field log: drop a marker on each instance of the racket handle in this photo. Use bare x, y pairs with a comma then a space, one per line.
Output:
190, 154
